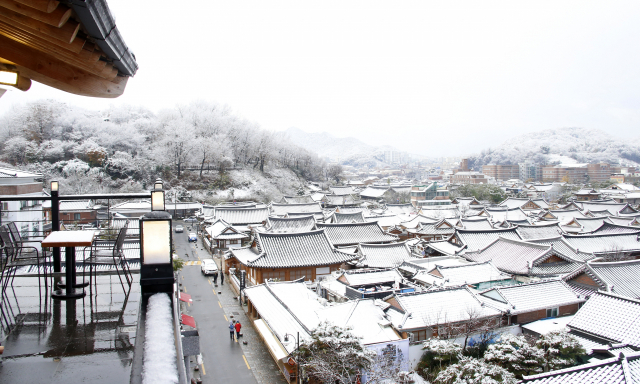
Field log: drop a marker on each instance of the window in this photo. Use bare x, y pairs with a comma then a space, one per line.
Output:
420, 335
5, 206
76, 216
280, 275
296, 274
552, 312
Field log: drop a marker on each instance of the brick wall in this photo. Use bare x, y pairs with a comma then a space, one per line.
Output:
568, 309
20, 189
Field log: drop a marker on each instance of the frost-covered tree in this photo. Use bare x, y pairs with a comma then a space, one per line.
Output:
389, 365
516, 354
474, 371
334, 355
560, 348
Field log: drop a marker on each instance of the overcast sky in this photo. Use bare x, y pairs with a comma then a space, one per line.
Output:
437, 78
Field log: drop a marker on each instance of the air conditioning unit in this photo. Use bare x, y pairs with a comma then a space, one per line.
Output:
411, 337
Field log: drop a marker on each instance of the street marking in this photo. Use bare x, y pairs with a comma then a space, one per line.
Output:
204, 373
245, 361
185, 289
225, 317
193, 263
209, 281
214, 291
219, 304
189, 304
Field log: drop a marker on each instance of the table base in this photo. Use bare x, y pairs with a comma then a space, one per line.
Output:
78, 284
62, 294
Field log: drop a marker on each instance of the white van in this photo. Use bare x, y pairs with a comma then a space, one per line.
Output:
208, 267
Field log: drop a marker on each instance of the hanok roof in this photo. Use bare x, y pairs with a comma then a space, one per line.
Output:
527, 232
563, 215
612, 208
441, 228
424, 309
359, 277
340, 218
476, 223
560, 245
525, 258
356, 233
457, 275
428, 263
340, 200
75, 47
373, 192
439, 213
304, 199
284, 209
611, 317
623, 369
589, 224
531, 297
65, 205
507, 214
384, 255
290, 225
444, 247
399, 209
341, 190
242, 216
10, 173
605, 244
417, 220
620, 277
476, 240
289, 250
610, 229
524, 203
626, 221
220, 229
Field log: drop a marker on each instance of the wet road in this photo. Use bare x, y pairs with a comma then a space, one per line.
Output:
223, 359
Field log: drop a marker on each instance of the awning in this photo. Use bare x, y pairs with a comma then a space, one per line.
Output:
275, 348
185, 297
188, 320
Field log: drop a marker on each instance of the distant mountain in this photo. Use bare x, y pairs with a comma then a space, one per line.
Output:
336, 148
563, 145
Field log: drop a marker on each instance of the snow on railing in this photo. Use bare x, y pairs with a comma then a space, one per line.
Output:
159, 366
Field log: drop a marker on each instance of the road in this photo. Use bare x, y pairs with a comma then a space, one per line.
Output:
223, 360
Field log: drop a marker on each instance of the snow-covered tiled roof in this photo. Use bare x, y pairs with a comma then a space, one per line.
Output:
399, 209
589, 224
341, 190
441, 228
531, 297
384, 255
507, 214
356, 233
521, 257
621, 277
289, 225
627, 221
624, 369
538, 231
288, 250
15, 173
437, 212
239, 216
457, 275
566, 215
559, 244
476, 223
340, 218
611, 317
284, 209
424, 309
475, 240
71, 205
603, 244
303, 199
611, 207
373, 192
358, 277
608, 228
417, 220
445, 247
220, 230
513, 202
340, 200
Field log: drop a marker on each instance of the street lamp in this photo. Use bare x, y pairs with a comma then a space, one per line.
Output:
158, 185
156, 270
157, 196
297, 360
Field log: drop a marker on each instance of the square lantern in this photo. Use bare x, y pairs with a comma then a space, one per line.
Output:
156, 270
157, 200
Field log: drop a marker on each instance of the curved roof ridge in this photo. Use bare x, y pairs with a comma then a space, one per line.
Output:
289, 234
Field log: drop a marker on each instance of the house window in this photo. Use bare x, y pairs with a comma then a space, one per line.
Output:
552, 312
420, 335
280, 275
76, 216
296, 274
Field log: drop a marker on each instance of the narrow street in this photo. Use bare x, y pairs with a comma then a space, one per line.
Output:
223, 358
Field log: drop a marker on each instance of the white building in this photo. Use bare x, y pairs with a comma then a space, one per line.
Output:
26, 214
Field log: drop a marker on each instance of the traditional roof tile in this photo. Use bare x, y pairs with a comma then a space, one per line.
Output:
457, 275
531, 297
341, 218
304, 199
242, 216
620, 277
384, 255
290, 225
475, 240
527, 232
605, 244
356, 233
284, 209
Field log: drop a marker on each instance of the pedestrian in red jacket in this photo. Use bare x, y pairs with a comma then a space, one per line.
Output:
238, 326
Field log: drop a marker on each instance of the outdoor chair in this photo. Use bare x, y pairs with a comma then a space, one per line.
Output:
110, 253
18, 255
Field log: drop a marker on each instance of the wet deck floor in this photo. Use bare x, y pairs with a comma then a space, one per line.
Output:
55, 341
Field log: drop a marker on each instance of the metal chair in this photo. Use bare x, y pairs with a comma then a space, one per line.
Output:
18, 255
110, 254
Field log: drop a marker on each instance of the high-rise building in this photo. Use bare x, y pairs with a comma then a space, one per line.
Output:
530, 171
501, 172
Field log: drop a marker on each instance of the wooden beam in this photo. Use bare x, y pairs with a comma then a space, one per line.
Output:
67, 33
33, 41
74, 47
46, 6
52, 71
57, 18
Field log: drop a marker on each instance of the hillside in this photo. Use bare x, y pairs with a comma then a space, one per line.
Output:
335, 148
564, 145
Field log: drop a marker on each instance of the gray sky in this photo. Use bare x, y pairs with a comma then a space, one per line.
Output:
430, 77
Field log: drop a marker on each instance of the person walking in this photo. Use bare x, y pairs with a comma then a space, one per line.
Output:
231, 328
215, 278
221, 277
238, 327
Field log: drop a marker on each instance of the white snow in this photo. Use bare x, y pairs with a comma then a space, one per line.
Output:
159, 366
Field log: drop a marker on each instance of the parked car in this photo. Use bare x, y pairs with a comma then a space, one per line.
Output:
208, 267
191, 219
179, 229
193, 237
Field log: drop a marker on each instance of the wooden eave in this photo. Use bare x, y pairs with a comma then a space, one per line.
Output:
44, 42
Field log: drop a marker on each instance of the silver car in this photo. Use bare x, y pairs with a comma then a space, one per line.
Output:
179, 229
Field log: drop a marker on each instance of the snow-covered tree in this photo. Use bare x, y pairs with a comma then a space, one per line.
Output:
516, 354
334, 355
560, 348
388, 366
474, 371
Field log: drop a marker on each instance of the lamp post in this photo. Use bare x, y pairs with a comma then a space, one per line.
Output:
55, 223
156, 269
157, 196
297, 360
